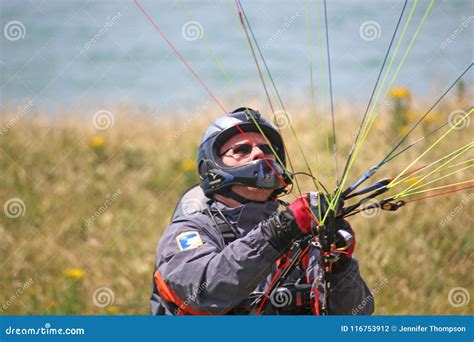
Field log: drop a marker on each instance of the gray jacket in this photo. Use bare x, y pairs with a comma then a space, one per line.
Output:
202, 270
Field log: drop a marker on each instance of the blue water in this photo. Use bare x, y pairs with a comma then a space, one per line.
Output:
57, 65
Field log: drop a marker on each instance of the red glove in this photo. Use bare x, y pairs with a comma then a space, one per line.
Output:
303, 209
302, 212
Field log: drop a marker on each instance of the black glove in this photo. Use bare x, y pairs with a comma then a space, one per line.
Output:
281, 229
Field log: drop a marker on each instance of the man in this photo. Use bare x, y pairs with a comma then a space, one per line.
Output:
229, 238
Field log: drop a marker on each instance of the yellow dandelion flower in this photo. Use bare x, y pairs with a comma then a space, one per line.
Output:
413, 180
96, 142
74, 273
404, 130
188, 165
399, 92
111, 309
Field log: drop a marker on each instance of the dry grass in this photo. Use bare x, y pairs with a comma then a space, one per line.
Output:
65, 170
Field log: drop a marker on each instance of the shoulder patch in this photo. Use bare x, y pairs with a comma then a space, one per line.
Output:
188, 240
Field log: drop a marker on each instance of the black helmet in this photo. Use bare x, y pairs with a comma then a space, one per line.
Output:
265, 174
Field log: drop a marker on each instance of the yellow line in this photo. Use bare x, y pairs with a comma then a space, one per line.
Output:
438, 188
430, 148
457, 152
368, 124
442, 177
208, 45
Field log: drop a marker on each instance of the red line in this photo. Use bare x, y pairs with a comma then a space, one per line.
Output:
204, 85
180, 56
439, 194
252, 50
414, 170
267, 292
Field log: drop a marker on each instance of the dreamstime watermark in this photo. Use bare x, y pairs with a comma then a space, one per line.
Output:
103, 296
195, 117
458, 296
371, 208
103, 119
108, 202
19, 114
14, 208
464, 24
459, 119
370, 298
46, 330
281, 298
19, 291
282, 119
370, 30
192, 298
103, 30
14, 30
466, 199
192, 30
282, 29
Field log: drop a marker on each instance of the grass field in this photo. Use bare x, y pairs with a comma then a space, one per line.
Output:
83, 208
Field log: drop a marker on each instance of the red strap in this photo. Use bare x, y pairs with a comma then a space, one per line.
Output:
169, 295
305, 261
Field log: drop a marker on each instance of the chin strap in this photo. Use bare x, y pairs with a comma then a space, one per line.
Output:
242, 200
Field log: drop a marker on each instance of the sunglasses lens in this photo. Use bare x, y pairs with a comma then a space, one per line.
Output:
246, 149
243, 149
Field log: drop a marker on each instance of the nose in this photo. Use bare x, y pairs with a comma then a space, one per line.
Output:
257, 153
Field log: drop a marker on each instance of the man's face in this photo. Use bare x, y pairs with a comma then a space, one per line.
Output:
231, 155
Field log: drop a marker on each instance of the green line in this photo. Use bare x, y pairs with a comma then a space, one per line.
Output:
373, 113
321, 73
232, 14
366, 127
314, 178
310, 60
270, 144
278, 158
427, 12
394, 182
312, 92
208, 46
229, 78
407, 51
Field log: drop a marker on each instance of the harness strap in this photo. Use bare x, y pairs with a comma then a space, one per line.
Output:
227, 230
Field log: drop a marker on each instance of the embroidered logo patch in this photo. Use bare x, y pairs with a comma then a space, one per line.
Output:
188, 240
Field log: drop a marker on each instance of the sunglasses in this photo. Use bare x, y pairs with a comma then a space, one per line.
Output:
245, 149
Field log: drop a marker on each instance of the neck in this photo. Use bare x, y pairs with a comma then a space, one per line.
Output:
232, 198
231, 203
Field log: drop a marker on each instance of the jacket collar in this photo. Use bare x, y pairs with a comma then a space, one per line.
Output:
246, 216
